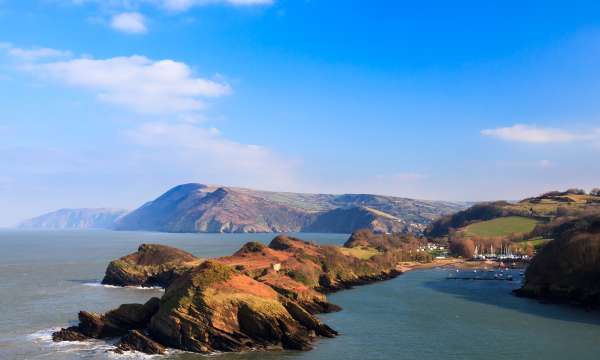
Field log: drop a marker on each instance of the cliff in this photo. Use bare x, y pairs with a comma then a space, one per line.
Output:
75, 219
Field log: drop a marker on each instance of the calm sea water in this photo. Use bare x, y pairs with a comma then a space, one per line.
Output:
47, 277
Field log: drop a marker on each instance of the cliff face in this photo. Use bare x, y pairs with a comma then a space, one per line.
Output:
259, 298
201, 208
568, 268
214, 308
75, 219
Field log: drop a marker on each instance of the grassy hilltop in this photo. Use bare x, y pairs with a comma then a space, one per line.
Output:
520, 225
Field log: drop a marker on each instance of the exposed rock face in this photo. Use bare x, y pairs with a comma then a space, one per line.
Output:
136, 341
568, 268
69, 334
215, 308
75, 219
202, 208
151, 265
112, 324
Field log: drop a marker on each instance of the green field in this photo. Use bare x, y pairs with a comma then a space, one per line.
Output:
363, 253
503, 226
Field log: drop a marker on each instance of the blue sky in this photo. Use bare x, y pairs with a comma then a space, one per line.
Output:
110, 103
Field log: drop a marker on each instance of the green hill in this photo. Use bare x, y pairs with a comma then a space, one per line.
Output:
502, 226
543, 208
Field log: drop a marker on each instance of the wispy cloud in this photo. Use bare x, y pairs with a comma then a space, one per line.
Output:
33, 54
205, 153
540, 135
137, 83
129, 22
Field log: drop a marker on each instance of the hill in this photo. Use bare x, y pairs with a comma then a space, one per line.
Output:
204, 208
503, 226
75, 219
568, 268
522, 216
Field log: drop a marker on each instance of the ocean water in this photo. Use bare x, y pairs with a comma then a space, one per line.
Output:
47, 277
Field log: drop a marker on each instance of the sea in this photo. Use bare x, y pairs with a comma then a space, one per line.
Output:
46, 277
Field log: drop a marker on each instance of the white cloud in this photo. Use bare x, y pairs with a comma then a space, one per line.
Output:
539, 135
172, 5
136, 82
545, 163
180, 5
129, 22
33, 54
205, 154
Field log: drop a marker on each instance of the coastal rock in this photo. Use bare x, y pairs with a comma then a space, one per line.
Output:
215, 308
69, 334
136, 341
151, 265
133, 316
260, 298
112, 324
97, 326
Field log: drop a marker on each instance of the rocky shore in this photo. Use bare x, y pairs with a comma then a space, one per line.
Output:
259, 298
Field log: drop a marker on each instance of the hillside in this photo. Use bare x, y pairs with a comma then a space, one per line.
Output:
503, 226
75, 219
204, 208
568, 268
523, 215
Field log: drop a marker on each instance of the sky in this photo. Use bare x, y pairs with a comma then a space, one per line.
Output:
110, 103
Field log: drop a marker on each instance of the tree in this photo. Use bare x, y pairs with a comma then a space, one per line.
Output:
529, 251
462, 247
595, 192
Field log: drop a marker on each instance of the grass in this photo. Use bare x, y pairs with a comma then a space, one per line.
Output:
537, 243
503, 226
363, 253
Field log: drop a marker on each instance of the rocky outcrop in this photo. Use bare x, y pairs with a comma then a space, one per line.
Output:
215, 308
151, 265
136, 341
204, 208
112, 324
261, 297
69, 334
567, 269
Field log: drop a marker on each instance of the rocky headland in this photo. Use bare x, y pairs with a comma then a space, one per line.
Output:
69, 219
151, 265
567, 270
259, 298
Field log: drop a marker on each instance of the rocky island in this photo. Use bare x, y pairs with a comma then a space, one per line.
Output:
259, 298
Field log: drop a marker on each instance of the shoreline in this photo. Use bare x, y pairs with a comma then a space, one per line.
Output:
453, 263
